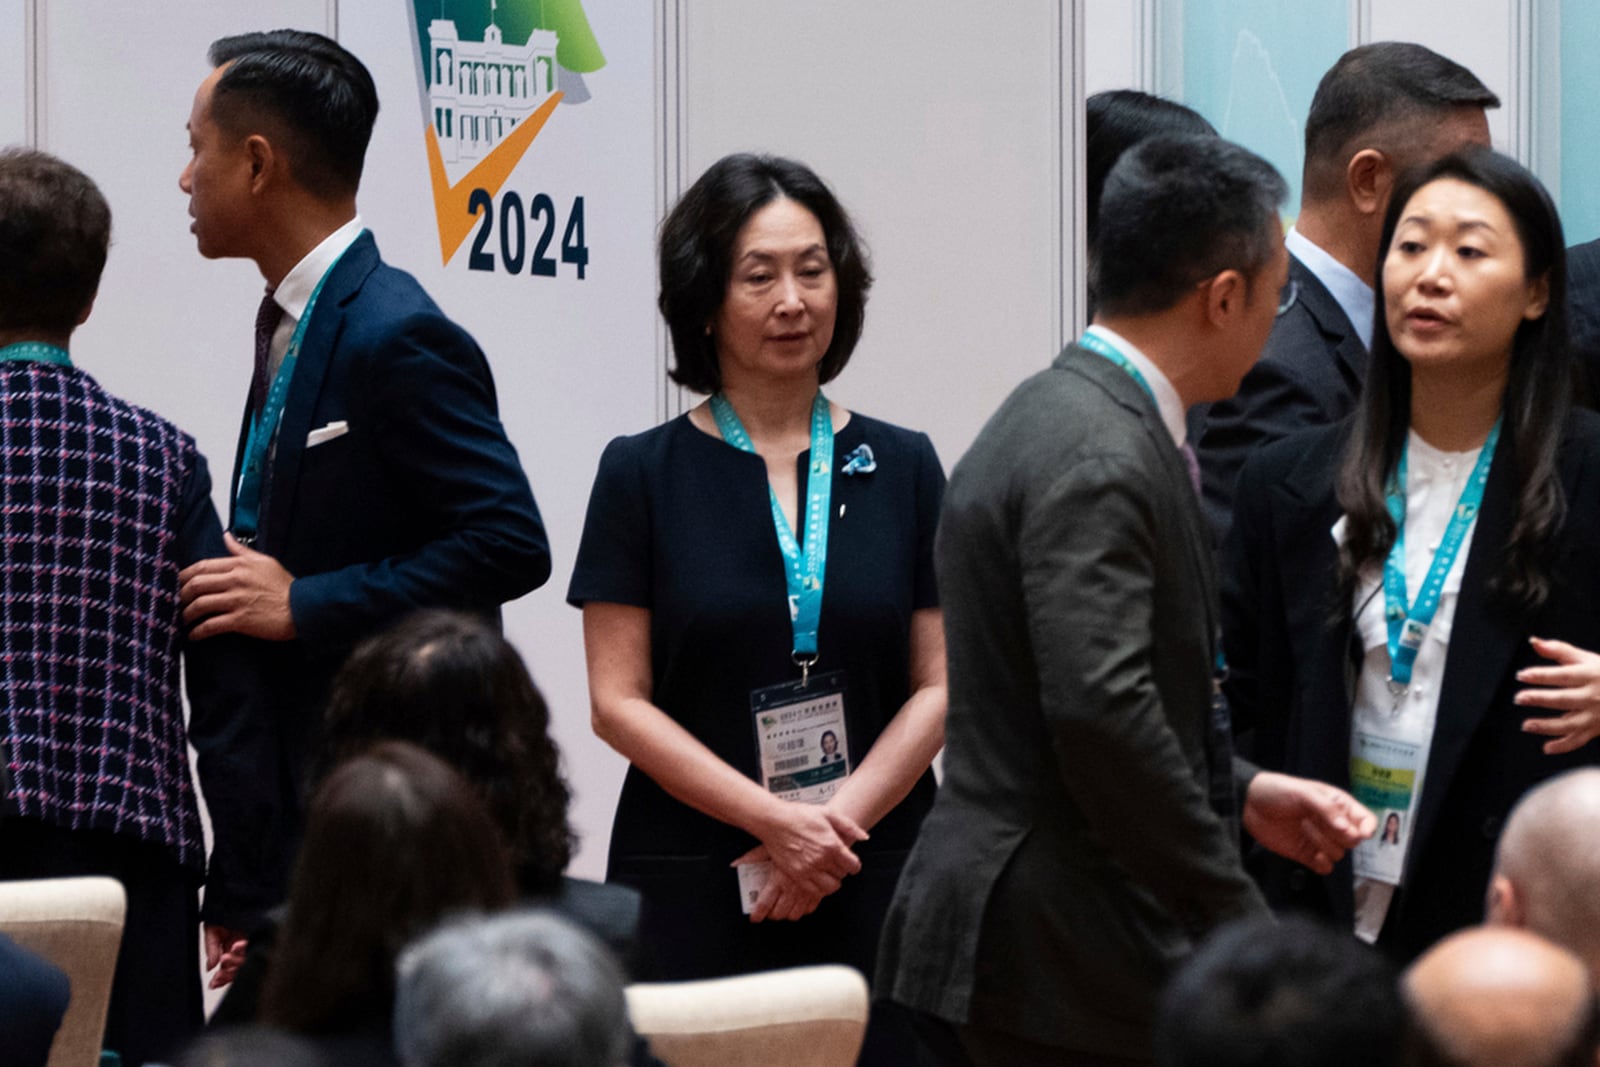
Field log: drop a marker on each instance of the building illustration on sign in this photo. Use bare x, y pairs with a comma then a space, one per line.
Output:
481, 89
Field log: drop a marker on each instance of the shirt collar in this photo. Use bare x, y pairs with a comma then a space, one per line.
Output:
1168, 403
294, 292
1354, 296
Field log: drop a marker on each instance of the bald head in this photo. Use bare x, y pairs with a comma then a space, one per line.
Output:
1547, 870
1500, 997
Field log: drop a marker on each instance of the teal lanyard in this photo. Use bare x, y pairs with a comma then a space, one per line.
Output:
36, 352
1100, 347
264, 424
803, 571
1408, 626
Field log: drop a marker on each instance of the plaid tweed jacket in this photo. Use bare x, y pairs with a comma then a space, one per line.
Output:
92, 501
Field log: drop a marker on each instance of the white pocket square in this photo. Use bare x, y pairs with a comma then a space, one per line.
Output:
327, 433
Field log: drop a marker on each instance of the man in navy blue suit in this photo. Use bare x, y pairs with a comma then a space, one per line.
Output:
373, 475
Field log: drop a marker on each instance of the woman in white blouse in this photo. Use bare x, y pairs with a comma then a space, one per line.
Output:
1386, 578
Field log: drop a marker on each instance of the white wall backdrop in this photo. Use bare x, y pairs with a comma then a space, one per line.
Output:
944, 138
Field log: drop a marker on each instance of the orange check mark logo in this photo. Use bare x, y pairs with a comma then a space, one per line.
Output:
451, 202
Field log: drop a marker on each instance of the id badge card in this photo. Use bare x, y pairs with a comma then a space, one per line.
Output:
1383, 776
804, 751
801, 738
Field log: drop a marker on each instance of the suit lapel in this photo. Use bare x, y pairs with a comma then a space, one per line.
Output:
311, 369
1130, 395
1334, 324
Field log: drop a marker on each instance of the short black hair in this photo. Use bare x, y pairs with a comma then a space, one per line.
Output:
1118, 119
55, 231
1374, 93
1261, 993
1177, 210
320, 97
696, 253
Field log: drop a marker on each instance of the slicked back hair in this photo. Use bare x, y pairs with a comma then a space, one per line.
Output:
696, 257
1177, 210
313, 98
1379, 95
55, 231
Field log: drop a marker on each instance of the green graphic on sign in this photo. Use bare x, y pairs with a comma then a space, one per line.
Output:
516, 20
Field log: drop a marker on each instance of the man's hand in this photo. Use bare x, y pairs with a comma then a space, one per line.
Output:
244, 592
224, 953
1573, 687
1312, 823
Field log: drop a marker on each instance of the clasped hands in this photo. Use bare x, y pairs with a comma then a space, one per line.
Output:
809, 847
244, 592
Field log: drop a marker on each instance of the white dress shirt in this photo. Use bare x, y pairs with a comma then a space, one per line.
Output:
1434, 481
294, 292
1168, 402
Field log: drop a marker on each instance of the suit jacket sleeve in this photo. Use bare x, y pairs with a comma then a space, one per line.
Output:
236, 747
1246, 563
1088, 550
428, 392
1275, 399
1583, 310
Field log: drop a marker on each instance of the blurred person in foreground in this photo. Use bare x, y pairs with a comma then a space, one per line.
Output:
451, 683
1495, 997
1261, 993
526, 989
396, 841
1547, 867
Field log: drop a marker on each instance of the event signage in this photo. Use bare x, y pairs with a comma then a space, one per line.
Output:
493, 74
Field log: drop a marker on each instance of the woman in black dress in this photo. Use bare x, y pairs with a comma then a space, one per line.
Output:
712, 665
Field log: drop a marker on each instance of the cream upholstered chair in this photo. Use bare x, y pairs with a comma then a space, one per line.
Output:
804, 1017
76, 924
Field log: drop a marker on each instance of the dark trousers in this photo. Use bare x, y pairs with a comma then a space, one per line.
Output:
155, 994
944, 1044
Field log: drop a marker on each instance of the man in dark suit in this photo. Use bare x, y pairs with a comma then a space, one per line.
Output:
1379, 110
1086, 832
1583, 312
373, 476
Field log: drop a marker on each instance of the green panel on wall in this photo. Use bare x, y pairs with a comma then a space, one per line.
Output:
1251, 67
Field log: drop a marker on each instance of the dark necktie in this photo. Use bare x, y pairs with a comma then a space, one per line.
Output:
267, 318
